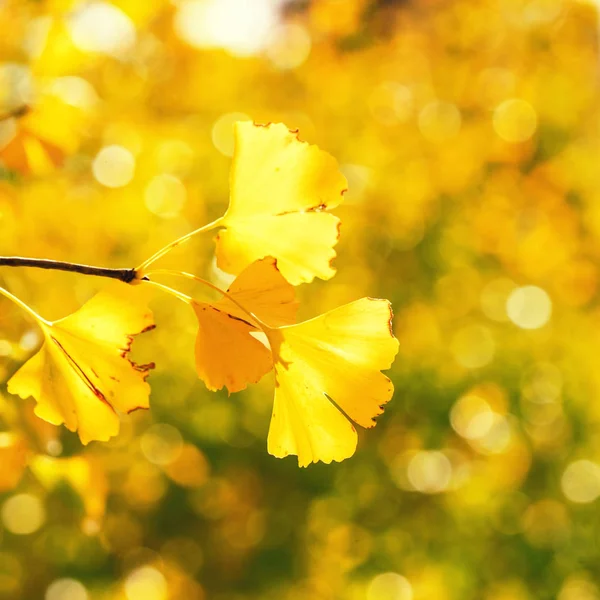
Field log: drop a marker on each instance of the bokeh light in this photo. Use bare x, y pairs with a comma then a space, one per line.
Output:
240, 26
389, 586
114, 166
289, 46
471, 417
529, 307
222, 131
580, 481
165, 196
439, 121
473, 346
430, 472
579, 587
102, 27
161, 444
66, 589
146, 583
515, 120
23, 514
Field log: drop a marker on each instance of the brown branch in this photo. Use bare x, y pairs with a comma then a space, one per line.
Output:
125, 275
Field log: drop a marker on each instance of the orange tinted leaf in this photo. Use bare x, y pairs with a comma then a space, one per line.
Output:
228, 352
262, 290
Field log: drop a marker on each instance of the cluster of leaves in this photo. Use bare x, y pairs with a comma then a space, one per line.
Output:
277, 231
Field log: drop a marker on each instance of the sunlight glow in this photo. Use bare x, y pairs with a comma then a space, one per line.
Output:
529, 307
66, 589
23, 514
146, 583
102, 27
114, 166
581, 481
389, 586
241, 26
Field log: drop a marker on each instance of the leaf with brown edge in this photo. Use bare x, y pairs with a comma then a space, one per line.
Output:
82, 375
281, 190
228, 353
327, 373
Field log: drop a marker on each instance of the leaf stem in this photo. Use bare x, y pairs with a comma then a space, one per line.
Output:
124, 275
158, 255
207, 283
168, 290
24, 306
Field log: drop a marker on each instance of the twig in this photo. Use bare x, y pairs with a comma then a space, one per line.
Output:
125, 275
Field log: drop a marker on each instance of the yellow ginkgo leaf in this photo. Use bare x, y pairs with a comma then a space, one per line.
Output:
228, 352
281, 189
13, 458
82, 376
327, 373
84, 474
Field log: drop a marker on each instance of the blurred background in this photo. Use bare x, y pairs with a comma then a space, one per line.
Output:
469, 133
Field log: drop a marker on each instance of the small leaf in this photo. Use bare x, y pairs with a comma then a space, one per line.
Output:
281, 189
325, 366
81, 376
228, 352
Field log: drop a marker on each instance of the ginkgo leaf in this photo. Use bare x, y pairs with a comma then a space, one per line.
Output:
262, 290
327, 373
228, 352
82, 376
281, 189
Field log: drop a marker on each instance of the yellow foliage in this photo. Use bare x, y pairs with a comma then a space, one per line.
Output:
82, 376
281, 190
227, 352
327, 375
468, 133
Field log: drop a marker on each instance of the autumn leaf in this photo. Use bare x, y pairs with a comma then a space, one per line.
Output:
281, 190
228, 352
327, 373
82, 376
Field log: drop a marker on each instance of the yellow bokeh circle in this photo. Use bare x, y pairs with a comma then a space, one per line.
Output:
515, 120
